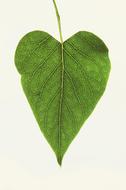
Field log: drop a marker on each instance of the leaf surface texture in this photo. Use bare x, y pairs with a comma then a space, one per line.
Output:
62, 95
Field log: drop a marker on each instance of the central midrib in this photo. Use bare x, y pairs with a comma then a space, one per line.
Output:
60, 105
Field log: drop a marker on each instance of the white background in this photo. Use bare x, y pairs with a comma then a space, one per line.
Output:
96, 160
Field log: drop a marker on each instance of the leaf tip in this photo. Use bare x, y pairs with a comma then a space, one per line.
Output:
59, 160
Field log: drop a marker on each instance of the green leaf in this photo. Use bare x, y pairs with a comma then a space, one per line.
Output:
62, 82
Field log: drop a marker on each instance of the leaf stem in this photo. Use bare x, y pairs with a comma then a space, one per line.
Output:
59, 156
59, 21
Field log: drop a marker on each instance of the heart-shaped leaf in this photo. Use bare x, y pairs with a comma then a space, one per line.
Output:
62, 82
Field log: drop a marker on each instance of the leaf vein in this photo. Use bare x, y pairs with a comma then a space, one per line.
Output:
74, 89
35, 49
49, 105
72, 116
42, 63
83, 72
81, 53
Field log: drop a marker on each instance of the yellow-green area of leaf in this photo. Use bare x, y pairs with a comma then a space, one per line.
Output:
63, 81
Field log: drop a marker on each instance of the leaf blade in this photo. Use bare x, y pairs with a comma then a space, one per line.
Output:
74, 85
